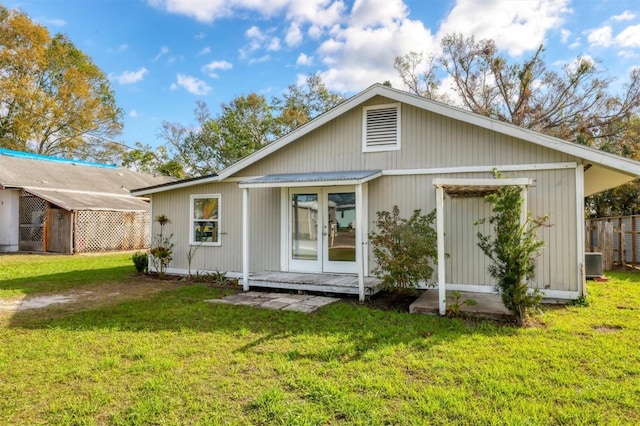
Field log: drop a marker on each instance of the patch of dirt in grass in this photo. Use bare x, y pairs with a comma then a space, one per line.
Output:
392, 302
605, 328
91, 295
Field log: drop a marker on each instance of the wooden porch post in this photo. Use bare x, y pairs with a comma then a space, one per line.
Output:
442, 295
359, 241
245, 239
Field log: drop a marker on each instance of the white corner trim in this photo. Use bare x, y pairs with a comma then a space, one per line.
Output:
580, 229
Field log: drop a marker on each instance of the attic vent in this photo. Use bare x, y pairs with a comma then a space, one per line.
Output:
381, 128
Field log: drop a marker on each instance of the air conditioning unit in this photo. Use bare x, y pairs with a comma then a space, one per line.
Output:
593, 265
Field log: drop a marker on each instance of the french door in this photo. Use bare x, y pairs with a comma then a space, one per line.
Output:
322, 229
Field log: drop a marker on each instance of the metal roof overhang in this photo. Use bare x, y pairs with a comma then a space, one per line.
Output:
76, 200
288, 180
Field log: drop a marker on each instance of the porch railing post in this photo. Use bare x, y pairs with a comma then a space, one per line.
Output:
442, 295
245, 239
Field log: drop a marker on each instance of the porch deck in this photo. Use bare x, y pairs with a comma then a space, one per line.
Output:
326, 283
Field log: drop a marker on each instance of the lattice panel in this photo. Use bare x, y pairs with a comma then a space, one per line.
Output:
33, 214
110, 231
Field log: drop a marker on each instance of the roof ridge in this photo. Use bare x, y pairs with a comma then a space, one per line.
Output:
41, 157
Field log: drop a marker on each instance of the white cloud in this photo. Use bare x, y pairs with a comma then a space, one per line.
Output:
627, 15
163, 51
600, 36
294, 35
323, 13
264, 58
118, 49
628, 54
199, 36
274, 45
304, 60
212, 67
204, 51
358, 57
56, 22
259, 39
629, 37
133, 113
130, 77
372, 13
191, 85
516, 26
564, 35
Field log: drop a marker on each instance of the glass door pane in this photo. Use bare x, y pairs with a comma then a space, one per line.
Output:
341, 226
304, 226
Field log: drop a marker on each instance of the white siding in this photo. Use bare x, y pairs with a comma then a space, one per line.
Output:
551, 194
428, 141
265, 226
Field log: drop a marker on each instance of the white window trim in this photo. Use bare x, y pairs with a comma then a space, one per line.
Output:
396, 147
192, 241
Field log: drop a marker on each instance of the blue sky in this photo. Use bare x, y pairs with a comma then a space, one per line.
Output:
163, 55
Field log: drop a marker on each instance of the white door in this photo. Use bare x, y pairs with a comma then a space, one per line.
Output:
322, 230
305, 230
339, 230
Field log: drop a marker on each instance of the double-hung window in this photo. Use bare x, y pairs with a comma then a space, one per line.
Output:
205, 219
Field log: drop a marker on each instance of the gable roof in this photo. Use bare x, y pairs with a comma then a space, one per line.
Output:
74, 185
617, 169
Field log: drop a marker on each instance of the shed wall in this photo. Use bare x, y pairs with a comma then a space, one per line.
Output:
9, 221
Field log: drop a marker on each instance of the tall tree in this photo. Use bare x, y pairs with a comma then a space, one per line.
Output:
53, 99
301, 103
244, 125
573, 104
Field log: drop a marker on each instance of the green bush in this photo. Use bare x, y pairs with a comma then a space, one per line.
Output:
513, 248
405, 250
140, 261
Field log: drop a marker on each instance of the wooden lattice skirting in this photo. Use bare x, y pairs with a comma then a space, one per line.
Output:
97, 231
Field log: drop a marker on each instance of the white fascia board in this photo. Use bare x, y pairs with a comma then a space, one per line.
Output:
170, 187
441, 182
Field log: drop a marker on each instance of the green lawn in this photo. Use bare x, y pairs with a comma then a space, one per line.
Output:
173, 359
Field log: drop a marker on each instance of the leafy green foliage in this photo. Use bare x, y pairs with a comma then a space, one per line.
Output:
405, 249
244, 125
140, 261
513, 248
454, 306
162, 248
53, 99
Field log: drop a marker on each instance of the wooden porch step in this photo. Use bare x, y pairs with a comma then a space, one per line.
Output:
326, 283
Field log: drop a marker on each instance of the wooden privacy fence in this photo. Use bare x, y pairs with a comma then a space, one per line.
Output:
617, 238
